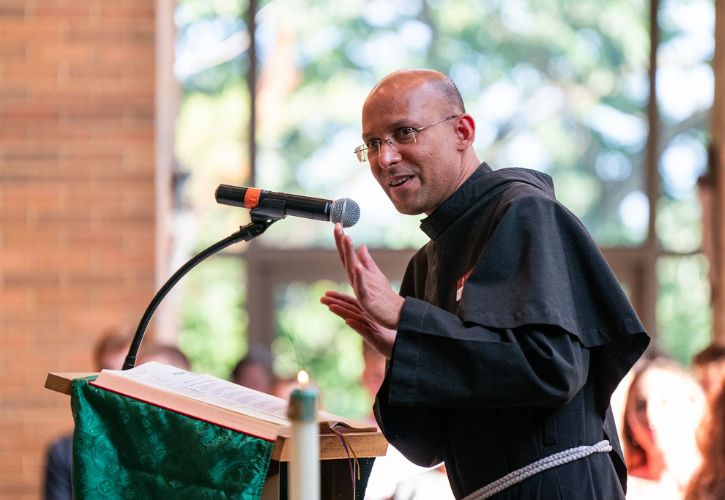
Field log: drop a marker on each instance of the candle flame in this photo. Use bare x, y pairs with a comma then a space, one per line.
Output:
303, 378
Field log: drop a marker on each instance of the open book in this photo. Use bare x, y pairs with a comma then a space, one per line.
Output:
213, 400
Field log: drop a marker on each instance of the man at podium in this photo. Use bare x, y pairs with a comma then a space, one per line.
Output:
510, 331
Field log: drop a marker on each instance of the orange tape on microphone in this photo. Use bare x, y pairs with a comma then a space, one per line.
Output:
251, 197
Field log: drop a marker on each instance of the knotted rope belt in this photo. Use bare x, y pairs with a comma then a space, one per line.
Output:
533, 468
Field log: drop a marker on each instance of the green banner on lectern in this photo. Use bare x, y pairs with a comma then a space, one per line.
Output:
128, 449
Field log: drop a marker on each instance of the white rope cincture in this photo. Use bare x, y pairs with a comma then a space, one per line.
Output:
533, 468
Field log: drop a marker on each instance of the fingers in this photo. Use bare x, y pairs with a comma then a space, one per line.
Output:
343, 305
360, 327
348, 309
353, 318
374, 297
358, 283
332, 296
347, 254
339, 234
346, 251
367, 260
350, 315
339, 312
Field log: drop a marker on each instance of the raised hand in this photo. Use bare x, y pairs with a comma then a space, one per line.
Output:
372, 289
348, 309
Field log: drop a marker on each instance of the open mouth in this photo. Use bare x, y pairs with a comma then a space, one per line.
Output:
400, 181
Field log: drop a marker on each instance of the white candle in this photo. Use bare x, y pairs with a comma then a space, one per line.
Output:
304, 464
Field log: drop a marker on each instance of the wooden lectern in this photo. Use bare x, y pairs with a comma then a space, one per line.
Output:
335, 483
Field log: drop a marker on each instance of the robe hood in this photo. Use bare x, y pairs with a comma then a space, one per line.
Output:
484, 181
536, 264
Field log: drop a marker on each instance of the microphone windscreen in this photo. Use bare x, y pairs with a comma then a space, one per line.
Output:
345, 211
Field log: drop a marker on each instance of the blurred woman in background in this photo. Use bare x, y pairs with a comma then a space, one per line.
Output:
708, 483
665, 405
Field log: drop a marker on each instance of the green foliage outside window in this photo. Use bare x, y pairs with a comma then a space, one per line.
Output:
312, 339
683, 311
214, 321
557, 86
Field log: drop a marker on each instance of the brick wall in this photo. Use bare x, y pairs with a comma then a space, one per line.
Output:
76, 204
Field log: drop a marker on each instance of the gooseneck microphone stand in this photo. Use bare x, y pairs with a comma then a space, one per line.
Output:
262, 218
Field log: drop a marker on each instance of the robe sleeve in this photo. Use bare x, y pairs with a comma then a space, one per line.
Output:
442, 362
439, 363
414, 431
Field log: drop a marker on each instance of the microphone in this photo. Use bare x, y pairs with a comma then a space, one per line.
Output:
344, 210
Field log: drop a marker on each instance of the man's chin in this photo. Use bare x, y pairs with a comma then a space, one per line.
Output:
407, 208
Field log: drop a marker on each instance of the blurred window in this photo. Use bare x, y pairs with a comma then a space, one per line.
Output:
561, 87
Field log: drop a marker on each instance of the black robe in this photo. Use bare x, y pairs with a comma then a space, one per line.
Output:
513, 335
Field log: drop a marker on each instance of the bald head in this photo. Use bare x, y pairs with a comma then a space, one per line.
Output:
399, 83
419, 139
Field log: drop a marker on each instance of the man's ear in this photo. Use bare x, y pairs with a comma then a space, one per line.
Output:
465, 131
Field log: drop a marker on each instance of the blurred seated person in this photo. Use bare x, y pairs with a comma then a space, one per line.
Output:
708, 483
709, 368
254, 370
283, 386
163, 353
109, 353
665, 405
373, 373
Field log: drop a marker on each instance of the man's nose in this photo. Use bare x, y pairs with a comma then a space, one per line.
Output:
388, 154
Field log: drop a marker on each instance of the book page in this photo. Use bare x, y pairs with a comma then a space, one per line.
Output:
216, 392
207, 389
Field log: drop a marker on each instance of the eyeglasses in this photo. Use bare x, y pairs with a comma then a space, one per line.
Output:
405, 135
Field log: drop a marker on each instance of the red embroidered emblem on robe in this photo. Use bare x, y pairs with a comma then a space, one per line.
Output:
459, 285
